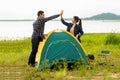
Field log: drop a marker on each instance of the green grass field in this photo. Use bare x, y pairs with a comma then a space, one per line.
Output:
14, 57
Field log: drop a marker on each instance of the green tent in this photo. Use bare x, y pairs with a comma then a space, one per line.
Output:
57, 45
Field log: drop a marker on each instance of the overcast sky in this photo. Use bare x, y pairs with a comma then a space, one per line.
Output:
27, 9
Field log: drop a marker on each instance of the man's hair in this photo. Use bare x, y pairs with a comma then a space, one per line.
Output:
40, 12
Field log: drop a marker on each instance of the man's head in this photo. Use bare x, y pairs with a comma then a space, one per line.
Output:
41, 14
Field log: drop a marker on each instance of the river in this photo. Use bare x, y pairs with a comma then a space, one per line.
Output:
21, 29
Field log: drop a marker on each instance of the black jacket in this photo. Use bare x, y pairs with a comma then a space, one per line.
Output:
77, 30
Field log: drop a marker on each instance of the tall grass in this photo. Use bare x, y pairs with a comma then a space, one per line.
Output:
14, 51
113, 38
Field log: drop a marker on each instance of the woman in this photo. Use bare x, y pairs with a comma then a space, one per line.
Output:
74, 28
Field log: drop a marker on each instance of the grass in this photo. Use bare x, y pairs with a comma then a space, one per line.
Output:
14, 51
113, 39
14, 56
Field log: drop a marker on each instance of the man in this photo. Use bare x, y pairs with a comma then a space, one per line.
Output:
37, 36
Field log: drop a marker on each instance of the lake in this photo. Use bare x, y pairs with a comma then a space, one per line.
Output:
21, 29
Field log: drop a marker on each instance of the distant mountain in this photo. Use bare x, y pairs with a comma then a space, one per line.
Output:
104, 16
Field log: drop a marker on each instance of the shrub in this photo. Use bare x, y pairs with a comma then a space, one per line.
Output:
112, 39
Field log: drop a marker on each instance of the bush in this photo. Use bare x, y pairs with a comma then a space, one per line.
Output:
112, 39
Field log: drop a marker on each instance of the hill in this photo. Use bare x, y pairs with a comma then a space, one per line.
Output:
104, 16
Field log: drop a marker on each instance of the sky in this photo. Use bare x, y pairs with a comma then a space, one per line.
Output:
27, 9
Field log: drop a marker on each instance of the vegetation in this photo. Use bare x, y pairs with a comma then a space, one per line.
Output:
14, 56
113, 39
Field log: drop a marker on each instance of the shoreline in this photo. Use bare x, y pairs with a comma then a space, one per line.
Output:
22, 38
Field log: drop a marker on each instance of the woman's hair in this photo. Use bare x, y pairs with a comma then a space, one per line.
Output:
78, 20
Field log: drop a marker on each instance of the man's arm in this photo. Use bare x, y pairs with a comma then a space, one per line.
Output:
51, 17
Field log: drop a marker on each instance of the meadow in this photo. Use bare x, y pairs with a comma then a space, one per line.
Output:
14, 57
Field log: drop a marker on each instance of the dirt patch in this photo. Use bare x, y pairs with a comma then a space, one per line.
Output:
98, 76
11, 72
115, 75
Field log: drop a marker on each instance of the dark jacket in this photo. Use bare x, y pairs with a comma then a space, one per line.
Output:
38, 26
77, 30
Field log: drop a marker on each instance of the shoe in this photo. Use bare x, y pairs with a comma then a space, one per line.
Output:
31, 65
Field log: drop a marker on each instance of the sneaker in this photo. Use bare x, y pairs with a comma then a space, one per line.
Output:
31, 65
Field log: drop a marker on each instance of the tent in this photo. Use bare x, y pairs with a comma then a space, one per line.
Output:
60, 44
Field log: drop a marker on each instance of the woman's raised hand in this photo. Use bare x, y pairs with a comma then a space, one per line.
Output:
61, 13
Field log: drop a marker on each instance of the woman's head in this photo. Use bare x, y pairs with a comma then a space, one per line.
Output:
75, 19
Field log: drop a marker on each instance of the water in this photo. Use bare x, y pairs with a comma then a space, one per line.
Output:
21, 29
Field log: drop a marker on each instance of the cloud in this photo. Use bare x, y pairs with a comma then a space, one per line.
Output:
28, 8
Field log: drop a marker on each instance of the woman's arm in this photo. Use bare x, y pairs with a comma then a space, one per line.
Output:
64, 22
80, 32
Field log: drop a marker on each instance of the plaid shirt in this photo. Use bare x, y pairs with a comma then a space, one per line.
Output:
38, 26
